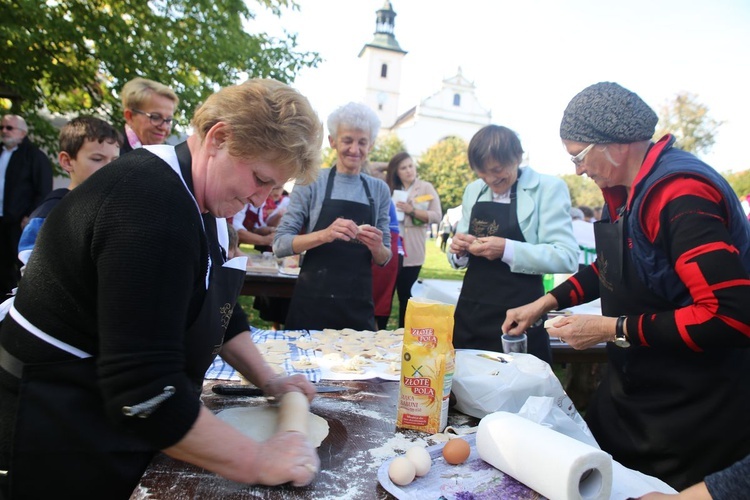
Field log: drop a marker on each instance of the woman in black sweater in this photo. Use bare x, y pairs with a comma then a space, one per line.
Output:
127, 299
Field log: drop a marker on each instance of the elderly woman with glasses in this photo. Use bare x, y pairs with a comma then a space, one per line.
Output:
515, 228
672, 272
104, 350
148, 108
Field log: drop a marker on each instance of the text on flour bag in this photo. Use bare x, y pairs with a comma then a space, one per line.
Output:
427, 365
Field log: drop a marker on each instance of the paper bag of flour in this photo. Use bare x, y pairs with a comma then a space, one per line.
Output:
427, 364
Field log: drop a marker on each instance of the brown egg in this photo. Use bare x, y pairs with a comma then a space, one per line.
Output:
456, 451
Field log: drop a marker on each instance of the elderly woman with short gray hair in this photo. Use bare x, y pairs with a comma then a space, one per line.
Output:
341, 223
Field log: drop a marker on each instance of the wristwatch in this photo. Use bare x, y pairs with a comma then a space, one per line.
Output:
621, 338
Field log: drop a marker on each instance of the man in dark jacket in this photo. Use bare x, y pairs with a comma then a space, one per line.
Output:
25, 180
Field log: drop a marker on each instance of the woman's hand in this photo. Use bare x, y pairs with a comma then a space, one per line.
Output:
519, 319
491, 247
460, 243
285, 457
582, 331
341, 229
371, 236
405, 207
281, 384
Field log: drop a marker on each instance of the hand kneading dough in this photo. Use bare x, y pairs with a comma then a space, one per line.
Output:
259, 423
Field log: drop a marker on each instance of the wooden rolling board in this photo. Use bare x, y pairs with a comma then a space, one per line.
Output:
362, 436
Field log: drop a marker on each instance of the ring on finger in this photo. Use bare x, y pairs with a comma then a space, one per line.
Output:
311, 468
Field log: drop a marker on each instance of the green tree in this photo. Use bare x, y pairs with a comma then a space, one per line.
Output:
583, 191
688, 120
385, 147
68, 56
446, 166
329, 157
740, 182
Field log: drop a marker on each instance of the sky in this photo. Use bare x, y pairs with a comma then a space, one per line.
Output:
528, 58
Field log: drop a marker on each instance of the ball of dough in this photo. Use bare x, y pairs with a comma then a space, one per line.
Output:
420, 458
456, 451
401, 471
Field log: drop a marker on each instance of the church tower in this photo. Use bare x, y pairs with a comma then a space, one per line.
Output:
382, 58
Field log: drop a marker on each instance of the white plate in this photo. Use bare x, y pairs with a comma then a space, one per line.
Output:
474, 479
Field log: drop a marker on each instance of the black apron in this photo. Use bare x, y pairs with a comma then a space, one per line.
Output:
64, 445
334, 288
669, 414
490, 288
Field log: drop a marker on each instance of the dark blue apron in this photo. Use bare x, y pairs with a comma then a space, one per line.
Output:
334, 288
490, 288
64, 445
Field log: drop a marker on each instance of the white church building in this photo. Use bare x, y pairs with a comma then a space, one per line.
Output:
454, 110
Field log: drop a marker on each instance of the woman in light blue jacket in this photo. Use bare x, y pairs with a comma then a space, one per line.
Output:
515, 228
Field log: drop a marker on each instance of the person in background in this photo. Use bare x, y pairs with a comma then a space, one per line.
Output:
148, 108
257, 226
25, 180
588, 213
584, 233
86, 144
515, 228
275, 206
252, 229
105, 348
384, 278
234, 243
341, 223
597, 213
731, 483
445, 232
421, 207
672, 273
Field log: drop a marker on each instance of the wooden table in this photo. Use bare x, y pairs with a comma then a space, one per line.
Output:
269, 285
362, 420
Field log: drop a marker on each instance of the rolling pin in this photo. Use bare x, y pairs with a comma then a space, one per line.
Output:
293, 413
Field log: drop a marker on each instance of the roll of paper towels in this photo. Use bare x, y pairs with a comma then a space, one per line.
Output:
553, 464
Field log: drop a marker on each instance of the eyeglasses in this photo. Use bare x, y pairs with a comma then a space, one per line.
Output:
578, 159
8, 127
155, 118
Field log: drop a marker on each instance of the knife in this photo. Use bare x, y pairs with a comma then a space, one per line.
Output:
248, 390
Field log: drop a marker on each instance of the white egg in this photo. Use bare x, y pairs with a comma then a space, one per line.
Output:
420, 458
401, 471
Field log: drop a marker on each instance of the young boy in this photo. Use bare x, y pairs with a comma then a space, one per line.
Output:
86, 145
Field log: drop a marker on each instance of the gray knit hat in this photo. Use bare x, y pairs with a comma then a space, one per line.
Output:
606, 112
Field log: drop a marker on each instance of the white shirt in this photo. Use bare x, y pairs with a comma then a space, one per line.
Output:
4, 160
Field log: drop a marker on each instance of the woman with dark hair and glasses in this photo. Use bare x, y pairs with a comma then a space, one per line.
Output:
148, 107
515, 228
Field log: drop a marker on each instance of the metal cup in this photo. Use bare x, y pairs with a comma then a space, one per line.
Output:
514, 343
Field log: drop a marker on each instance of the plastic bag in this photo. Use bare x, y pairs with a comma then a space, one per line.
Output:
485, 382
546, 411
